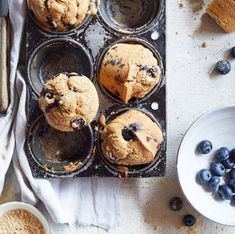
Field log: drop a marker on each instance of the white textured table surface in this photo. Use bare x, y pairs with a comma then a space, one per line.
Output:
192, 89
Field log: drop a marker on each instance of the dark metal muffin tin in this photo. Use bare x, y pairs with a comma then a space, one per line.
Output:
54, 154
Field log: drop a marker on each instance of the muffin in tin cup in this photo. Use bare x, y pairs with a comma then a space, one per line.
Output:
129, 70
59, 17
133, 139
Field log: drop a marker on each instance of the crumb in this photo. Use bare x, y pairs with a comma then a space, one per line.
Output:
96, 128
102, 120
176, 33
181, 3
190, 34
94, 151
204, 44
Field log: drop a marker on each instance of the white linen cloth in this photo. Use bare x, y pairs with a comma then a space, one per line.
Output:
86, 201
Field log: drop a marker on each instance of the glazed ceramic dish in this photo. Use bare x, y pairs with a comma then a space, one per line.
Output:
21, 205
218, 127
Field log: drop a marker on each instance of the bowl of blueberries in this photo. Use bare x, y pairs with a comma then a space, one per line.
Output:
206, 165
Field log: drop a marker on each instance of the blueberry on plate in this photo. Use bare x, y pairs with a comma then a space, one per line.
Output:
213, 183
223, 67
233, 52
204, 147
232, 154
231, 174
189, 220
176, 203
222, 154
228, 163
231, 184
217, 169
225, 192
204, 176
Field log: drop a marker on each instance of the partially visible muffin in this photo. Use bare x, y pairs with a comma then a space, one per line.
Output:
129, 71
132, 138
69, 102
60, 16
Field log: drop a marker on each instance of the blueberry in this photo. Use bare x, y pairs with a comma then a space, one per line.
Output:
232, 174
217, 169
213, 184
176, 203
204, 147
189, 220
232, 154
233, 52
228, 163
204, 176
222, 154
225, 192
78, 123
231, 184
128, 133
223, 67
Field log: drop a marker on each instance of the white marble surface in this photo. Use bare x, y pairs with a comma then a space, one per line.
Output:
192, 89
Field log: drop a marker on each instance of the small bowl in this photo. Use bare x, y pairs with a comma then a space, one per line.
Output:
218, 127
21, 205
129, 17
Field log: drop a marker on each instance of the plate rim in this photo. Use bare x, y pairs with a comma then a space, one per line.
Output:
221, 108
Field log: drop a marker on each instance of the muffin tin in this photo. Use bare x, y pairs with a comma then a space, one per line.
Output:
54, 154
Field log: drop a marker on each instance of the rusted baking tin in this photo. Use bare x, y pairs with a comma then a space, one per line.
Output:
53, 154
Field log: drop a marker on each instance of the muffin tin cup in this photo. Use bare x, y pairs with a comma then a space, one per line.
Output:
134, 40
59, 153
81, 51
131, 170
56, 56
129, 17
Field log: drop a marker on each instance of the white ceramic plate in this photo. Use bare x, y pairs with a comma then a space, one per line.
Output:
21, 205
217, 126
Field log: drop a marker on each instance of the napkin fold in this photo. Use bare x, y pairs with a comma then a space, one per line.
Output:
86, 201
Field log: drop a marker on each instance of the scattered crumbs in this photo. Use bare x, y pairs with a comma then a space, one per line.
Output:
147, 221
181, 3
190, 34
45, 167
204, 44
176, 33
96, 128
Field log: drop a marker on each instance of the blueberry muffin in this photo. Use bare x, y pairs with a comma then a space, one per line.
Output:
129, 71
60, 16
132, 138
69, 102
